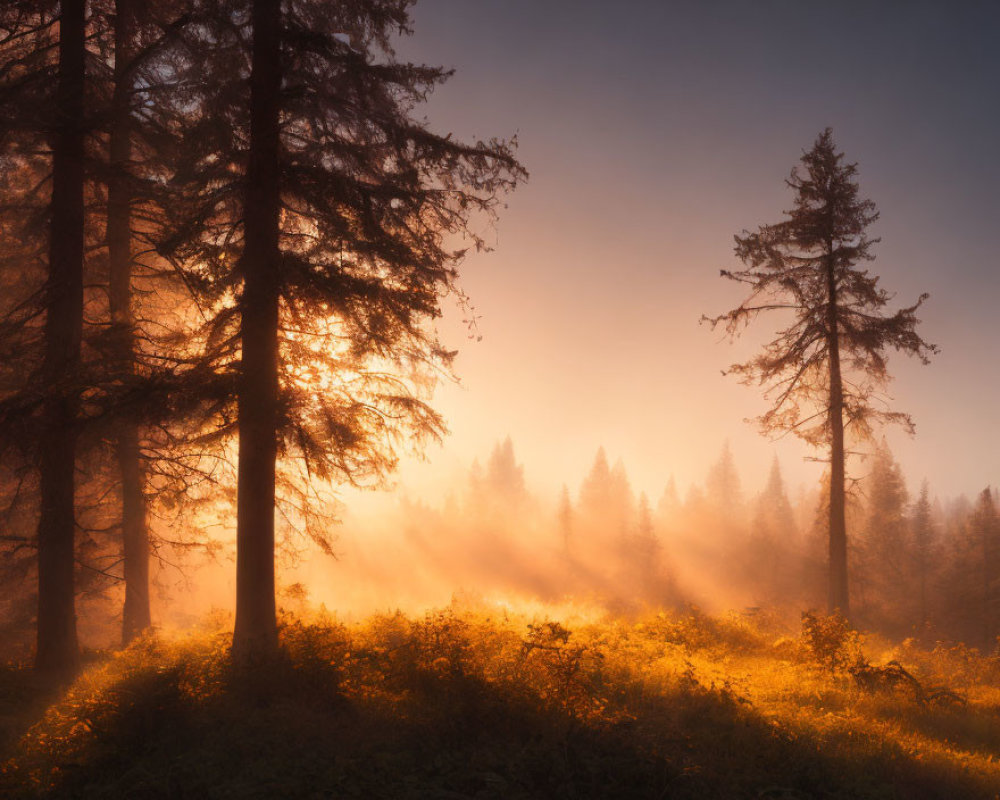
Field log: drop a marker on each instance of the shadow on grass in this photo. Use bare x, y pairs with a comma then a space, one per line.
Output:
303, 730
24, 696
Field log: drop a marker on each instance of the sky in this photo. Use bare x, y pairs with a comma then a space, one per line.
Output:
654, 132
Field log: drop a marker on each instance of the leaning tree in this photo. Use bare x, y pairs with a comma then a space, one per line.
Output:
825, 372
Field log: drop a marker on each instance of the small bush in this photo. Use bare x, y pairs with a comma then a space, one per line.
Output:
830, 641
464, 704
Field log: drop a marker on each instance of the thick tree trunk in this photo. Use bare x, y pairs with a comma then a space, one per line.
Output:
255, 635
57, 651
838, 598
135, 540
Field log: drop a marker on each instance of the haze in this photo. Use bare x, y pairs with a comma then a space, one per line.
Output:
654, 133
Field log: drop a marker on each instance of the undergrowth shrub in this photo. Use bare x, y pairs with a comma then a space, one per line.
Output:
963, 664
443, 643
559, 670
830, 641
894, 677
696, 630
476, 703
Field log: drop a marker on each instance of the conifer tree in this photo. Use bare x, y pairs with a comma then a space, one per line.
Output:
318, 221
642, 556
645, 543
141, 414
504, 475
135, 541
886, 562
565, 515
924, 542
824, 372
984, 533
120, 368
644, 524
723, 487
622, 499
62, 305
774, 510
595, 492
669, 502
969, 584
772, 539
28, 58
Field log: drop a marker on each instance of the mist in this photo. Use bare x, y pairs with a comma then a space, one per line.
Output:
498, 399
597, 548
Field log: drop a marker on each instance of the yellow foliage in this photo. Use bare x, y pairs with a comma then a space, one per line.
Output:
662, 678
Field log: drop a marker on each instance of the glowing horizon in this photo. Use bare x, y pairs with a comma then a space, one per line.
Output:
645, 161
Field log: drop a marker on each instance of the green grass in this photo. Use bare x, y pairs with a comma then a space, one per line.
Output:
462, 704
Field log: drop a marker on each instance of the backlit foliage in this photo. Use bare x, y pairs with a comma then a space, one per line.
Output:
485, 702
809, 266
377, 214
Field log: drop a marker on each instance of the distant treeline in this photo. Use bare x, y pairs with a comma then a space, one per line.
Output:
922, 567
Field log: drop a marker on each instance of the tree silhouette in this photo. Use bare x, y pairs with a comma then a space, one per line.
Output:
825, 371
924, 544
886, 559
984, 532
135, 539
606, 501
320, 223
669, 502
970, 570
32, 138
723, 486
504, 476
774, 510
595, 491
57, 651
773, 539
564, 516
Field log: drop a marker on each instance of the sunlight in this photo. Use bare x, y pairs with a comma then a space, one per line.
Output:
498, 400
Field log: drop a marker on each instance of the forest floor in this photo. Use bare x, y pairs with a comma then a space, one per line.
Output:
472, 704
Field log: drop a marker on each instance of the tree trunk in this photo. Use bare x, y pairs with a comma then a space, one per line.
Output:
923, 594
135, 540
255, 635
987, 605
838, 597
57, 651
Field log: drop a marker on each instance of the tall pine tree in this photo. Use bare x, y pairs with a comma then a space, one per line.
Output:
318, 220
825, 370
57, 650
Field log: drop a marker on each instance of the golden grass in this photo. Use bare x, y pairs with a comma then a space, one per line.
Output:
681, 705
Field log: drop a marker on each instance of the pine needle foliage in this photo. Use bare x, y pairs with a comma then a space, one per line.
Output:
826, 371
377, 213
810, 265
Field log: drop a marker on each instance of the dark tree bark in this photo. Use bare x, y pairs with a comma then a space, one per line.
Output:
807, 264
255, 633
839, 598
135, 537
57, 650
370, 205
